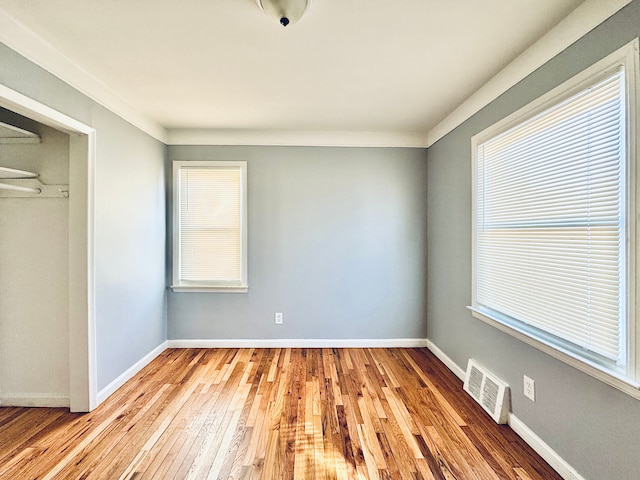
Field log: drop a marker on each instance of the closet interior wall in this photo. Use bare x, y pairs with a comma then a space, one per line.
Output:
34, 274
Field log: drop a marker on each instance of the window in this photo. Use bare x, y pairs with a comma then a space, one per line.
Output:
554, 222
210, 226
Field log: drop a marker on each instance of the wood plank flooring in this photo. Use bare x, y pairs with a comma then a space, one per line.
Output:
273, 414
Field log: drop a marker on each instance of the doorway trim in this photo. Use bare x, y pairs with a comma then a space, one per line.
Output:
83, 386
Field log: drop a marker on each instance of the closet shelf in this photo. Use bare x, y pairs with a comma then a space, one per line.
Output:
13, 134
22, 184
7, 173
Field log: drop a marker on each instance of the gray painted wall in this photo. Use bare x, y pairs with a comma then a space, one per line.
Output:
337, 242
592, 426
129, 220
130, 247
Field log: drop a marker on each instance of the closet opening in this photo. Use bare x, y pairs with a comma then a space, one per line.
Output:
47, 323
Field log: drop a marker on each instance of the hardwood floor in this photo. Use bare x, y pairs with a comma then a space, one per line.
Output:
271, 414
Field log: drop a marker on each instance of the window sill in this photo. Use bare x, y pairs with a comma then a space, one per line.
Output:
614, 379
209, 289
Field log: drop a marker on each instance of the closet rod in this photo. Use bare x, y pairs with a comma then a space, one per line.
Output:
7, 186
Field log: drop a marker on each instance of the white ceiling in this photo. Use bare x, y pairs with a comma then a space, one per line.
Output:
346, 66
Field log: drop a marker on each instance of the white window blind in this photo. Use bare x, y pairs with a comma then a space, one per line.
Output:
209, 213
550, 223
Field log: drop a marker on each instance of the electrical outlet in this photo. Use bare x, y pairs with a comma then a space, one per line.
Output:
278, 318
529, 388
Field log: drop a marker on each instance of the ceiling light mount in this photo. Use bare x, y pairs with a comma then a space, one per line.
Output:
286, 12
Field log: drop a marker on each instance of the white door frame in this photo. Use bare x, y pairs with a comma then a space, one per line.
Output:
83, 386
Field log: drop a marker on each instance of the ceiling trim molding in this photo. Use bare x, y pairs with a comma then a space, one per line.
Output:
187, 136
578, 23
35, 49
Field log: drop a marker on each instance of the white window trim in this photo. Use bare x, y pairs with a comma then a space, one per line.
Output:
204, 288
628, 56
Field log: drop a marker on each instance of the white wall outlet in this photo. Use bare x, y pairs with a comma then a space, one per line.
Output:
278, 318
529, 388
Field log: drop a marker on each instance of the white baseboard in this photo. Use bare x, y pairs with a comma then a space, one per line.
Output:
565, 470
26, 400
130, 372
300, 343
556, 462
451, 365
